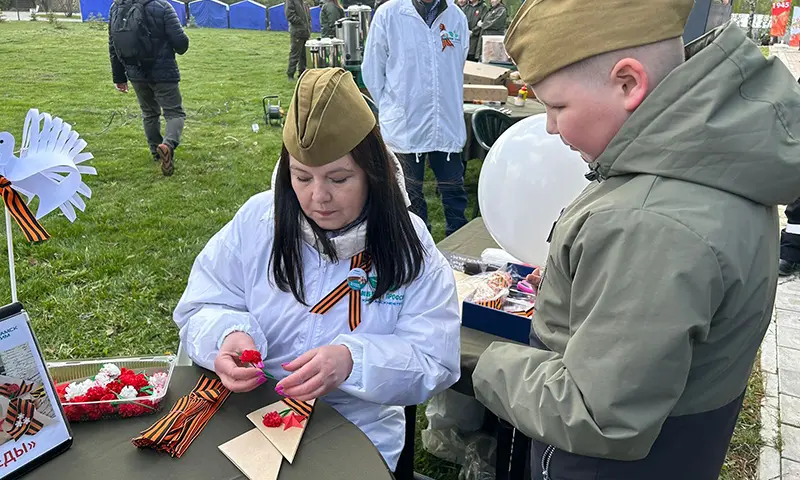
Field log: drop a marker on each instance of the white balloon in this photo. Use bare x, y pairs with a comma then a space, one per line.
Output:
528, 177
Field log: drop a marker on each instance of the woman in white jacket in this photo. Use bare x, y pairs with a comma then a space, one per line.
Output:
329, 276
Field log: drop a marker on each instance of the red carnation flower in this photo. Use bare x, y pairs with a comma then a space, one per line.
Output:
61, 390
250, 356
96, 393
73, 413
93, 412
272, 419
115, 386
13, 388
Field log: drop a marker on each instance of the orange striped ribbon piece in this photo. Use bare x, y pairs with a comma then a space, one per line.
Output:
362, 261
299, 407
27, 222
24, 388
177, 430
20, 416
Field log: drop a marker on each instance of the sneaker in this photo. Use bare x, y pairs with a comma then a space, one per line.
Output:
165, 153
786, 268
156, 158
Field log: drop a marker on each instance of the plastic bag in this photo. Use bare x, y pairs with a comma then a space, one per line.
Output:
498, 290
450, 416
480, 454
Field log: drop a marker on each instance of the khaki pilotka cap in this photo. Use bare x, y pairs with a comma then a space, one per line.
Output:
328, 117
548, 35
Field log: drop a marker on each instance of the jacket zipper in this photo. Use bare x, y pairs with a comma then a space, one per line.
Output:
546, 457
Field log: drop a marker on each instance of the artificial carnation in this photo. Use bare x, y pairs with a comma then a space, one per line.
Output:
102, 379
128, 393
78, 389
111, 370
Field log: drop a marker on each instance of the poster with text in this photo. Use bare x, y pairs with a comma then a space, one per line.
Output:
780, 18
794, 40
31, 423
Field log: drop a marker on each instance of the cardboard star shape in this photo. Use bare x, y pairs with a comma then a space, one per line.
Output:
254, 455
287, 439
293, 420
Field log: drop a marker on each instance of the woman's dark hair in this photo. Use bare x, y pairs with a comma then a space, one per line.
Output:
392, 243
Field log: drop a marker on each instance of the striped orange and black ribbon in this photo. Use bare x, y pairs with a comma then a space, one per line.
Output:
24, 388
362, 261
176, 431
31, 227
20, 416
299, 407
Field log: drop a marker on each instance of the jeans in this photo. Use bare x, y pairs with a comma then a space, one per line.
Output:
449, 172
153, 99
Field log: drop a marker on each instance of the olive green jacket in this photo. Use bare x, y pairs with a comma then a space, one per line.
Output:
661, 276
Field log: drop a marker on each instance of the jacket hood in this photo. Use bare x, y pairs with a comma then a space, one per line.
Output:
728, 118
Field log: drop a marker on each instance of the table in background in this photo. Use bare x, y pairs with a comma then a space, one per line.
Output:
512, 446
332, 448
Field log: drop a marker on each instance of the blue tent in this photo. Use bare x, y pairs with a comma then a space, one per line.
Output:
315, 11
180, 9
94, 8
209, 13
277, 18
249, 15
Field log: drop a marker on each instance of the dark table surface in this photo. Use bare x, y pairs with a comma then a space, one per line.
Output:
332, 448
471, 240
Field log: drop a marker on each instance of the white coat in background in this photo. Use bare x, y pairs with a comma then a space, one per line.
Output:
417, 85
406, 349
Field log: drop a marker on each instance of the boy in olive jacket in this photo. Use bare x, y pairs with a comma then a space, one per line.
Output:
661, 275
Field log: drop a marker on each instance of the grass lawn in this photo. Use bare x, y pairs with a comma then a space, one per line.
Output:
107, 284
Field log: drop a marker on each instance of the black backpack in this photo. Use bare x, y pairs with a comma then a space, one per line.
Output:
130, 35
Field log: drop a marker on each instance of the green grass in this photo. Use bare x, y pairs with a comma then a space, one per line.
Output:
107, 284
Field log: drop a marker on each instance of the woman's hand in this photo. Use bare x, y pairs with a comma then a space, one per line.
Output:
316, 372
234, 376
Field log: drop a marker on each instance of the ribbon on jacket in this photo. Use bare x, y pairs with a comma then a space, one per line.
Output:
176, 431
360, 263
20, 416
21, 214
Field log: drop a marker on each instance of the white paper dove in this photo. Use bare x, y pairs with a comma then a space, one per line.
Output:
49, 164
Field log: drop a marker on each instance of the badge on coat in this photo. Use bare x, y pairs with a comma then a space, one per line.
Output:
447, 37
357, 279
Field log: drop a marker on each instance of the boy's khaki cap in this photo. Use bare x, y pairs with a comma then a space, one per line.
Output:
548, 35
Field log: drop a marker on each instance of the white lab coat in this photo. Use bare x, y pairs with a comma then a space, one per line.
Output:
406, 349
418, 85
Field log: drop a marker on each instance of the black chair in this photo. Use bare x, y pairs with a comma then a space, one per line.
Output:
487, 126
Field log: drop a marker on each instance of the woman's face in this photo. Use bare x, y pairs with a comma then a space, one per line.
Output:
332, 195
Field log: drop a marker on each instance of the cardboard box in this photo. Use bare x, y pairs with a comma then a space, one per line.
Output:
485, 93
480, 74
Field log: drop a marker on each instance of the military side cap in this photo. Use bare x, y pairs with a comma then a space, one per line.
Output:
328, 117
548, 35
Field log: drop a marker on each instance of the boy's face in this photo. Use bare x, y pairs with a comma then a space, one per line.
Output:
587, 114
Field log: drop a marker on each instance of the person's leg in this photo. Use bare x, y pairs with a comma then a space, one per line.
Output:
414, 173
151, 114
790, 241
301, 61
296, 50
168, 96
449, 171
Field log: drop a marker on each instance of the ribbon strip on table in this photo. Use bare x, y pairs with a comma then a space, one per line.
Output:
360, 261
176, 431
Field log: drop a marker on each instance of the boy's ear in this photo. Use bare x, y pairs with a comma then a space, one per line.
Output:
630, 81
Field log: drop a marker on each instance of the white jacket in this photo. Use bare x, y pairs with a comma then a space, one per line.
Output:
406, 349
417, 84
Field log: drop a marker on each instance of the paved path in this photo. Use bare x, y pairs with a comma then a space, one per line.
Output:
780, 361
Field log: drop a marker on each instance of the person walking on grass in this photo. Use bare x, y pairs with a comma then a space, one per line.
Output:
143, 38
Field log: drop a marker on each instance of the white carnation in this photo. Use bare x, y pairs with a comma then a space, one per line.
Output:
158, 381
76, 389
111, 370
128, 392
102, 379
